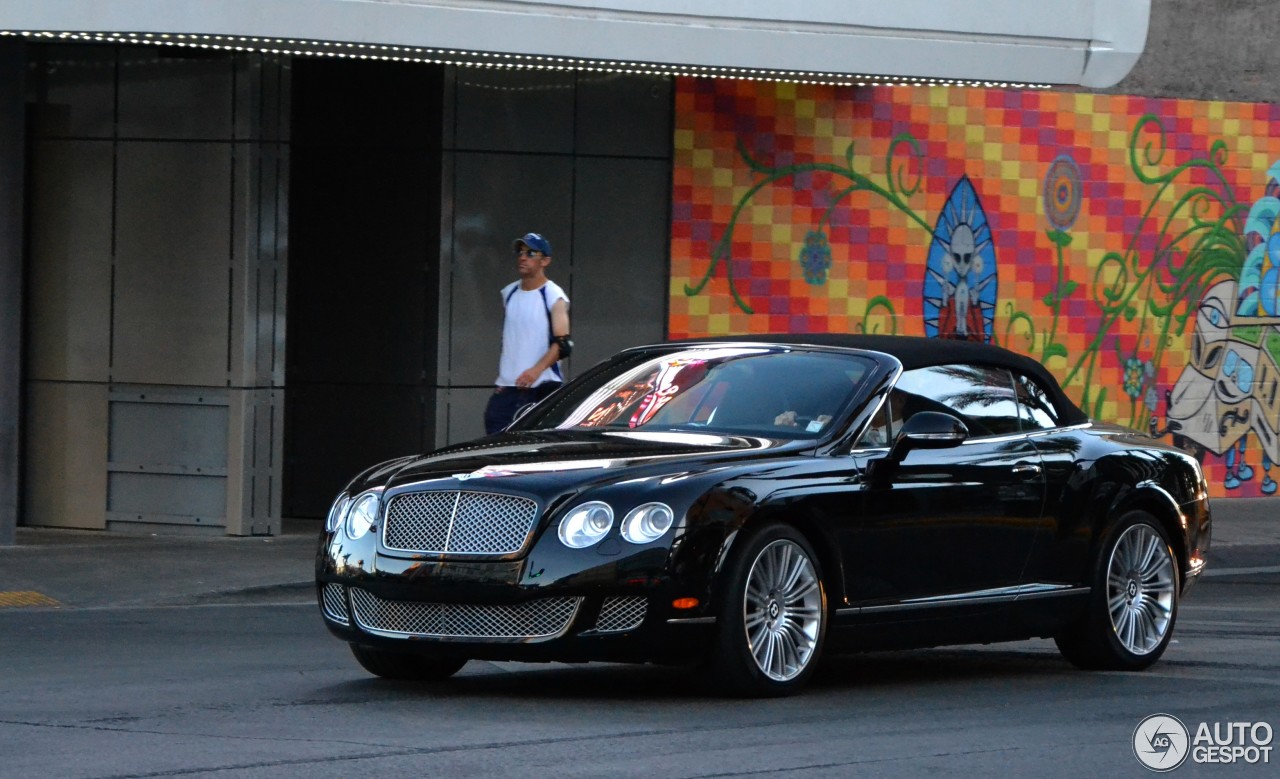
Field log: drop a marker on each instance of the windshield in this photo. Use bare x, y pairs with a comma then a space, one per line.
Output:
747, 390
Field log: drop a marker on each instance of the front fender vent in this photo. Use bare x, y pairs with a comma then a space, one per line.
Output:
619, 614
333, 601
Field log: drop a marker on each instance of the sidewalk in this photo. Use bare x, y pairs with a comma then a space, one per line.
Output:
89, 569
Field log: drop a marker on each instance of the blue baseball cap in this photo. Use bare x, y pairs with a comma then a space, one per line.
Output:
535, 242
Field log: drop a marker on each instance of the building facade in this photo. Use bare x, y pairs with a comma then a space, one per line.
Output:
235, 274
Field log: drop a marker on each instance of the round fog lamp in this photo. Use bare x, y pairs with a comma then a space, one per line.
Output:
586, 524
362, 515
647, 523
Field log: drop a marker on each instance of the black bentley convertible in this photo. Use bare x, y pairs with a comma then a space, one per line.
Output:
748, 504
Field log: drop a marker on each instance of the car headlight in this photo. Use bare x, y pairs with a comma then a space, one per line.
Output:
586, 524
363, 515
647, 523
336, 511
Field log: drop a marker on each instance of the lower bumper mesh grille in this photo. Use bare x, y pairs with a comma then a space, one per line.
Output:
334, 601
618, 614
534, 620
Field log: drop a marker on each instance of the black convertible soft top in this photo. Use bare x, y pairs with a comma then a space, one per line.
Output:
919, 352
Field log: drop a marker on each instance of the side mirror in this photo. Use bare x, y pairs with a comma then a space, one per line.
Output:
928, 430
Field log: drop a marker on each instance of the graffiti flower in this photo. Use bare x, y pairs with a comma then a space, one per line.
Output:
815, 257
1139, 379
1062, 195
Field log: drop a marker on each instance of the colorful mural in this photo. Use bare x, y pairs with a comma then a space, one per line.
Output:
1131, 244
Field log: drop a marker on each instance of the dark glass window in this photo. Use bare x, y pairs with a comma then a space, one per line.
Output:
1035, 406
983, 397
730, 389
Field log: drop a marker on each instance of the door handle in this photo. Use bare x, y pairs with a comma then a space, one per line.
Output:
1027, 470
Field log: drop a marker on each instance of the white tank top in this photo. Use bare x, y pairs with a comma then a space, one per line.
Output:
526, 331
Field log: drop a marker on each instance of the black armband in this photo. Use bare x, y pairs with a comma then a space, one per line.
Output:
566, 344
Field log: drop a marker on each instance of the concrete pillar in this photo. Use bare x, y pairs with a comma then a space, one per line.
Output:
12, 152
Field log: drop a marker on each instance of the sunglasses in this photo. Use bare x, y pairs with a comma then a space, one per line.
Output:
528, 253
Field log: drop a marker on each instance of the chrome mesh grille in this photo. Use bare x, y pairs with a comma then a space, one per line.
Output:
454, 522
536, 619
335, 603
618, 614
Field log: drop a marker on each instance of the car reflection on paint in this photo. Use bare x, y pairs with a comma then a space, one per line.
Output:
744, 506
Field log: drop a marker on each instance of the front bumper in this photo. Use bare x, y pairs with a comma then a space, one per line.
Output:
613, 603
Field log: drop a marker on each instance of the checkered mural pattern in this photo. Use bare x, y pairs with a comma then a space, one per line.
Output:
1097, 224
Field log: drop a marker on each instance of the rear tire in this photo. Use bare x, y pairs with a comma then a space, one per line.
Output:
1134, 602
772, 616
403, 666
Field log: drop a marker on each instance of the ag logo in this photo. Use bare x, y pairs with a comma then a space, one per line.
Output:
1160, 742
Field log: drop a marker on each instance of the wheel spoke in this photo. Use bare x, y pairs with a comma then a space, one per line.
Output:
779, 560
1125, 554
801, 592
1121, 622
786, 564
779, 665
1154, 612
803, 638
1150, 548
789, 654
765, 654
1157, 612
1131, 629
1144, 629
1154, 577
1159, 568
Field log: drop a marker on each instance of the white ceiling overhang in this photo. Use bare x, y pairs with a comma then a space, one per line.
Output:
1091, 43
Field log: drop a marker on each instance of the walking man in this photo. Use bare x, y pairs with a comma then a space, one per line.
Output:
535, 335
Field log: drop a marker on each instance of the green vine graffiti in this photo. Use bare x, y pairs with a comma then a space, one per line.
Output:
879, 301
1198, 240
1160, 290
898, 187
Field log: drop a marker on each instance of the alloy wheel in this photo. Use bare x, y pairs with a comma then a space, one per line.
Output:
1140, 589
782, 610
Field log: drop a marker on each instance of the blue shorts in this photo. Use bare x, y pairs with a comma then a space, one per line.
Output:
506, 401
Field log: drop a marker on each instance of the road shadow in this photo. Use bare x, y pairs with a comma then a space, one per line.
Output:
872, 673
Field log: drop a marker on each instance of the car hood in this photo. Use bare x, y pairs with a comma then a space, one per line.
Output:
557, 457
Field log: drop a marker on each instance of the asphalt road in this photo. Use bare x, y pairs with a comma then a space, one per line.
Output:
262, 690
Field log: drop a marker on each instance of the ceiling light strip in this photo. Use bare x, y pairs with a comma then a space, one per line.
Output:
495, 60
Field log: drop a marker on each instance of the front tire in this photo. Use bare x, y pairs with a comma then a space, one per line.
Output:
403, 666
1134, 602
772, 617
